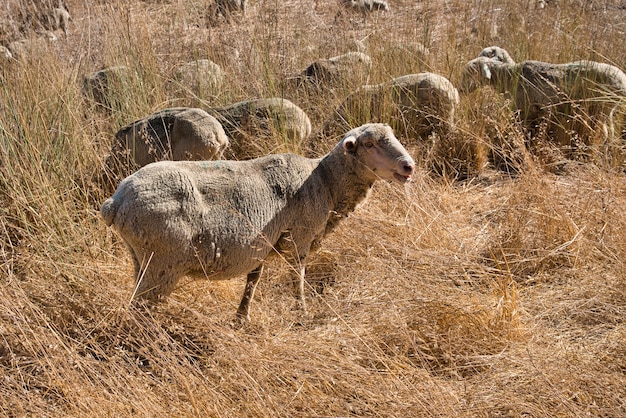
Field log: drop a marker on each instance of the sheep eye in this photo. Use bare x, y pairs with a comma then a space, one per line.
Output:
368, 144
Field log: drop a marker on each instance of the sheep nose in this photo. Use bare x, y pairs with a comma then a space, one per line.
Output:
408, 167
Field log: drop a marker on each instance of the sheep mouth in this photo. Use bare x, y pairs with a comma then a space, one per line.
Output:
401, 179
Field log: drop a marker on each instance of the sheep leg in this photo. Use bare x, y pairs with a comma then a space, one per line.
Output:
300, 289
243, 311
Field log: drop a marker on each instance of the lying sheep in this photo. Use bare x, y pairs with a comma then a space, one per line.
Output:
497, 53
224, 219
351, 69
581, 102
226, 7
23, 49
98, 85
200, 75
178, 133
415, 105
249, 125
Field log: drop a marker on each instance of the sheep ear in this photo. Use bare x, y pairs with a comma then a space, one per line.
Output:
486, 71
349, 143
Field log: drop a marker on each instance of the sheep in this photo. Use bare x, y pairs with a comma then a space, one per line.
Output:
351, 69
23, 49
98, 84
178, 133
59, 18
247, 122
226, 7
224, 219
5, 53
416, 105
497, 53
366, 6
579, 102
199, 74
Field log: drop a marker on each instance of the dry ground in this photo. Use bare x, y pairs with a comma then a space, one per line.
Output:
498, 290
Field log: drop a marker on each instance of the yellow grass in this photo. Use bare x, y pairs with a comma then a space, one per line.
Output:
498, 289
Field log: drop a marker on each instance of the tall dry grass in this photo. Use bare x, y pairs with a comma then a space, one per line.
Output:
499, 295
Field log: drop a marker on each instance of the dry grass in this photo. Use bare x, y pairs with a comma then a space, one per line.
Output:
502, 294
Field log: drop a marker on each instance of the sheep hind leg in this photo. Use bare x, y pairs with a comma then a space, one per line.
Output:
243, 312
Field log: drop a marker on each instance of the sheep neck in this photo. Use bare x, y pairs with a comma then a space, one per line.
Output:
346, 188
505, 77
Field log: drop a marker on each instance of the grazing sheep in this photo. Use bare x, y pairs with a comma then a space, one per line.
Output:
415, 105
98, 85
366, 6
497, 53
226, 7
348, 70
178, 133
200, 75
31, 47
59, 19
581, 102
250, 123
224, 219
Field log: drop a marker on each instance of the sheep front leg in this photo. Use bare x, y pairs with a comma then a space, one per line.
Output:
243, 312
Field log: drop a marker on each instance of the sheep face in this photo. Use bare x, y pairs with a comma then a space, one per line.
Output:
497, 53
477, 73
379, 153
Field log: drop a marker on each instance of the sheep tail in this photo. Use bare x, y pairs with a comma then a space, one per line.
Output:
109, 210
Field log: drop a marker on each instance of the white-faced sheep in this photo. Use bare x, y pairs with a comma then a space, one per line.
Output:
497, 53
247, 122
224, 219
415, 105
179, 133
226, 7
581, 102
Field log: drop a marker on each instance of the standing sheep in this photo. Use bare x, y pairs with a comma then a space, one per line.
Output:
582, 102
224, 219
250, 123
415, 105
178, 133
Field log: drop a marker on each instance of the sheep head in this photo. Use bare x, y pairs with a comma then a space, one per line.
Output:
497, 53
478, 72
379, 153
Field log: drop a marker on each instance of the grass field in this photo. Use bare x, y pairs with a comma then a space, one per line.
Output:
495, 290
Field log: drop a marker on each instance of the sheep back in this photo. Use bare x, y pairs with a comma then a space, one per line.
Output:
200, 75
349, 70
262, 126
171, 134
415, 105
99, 85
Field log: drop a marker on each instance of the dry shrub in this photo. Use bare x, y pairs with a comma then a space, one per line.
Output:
495, 296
